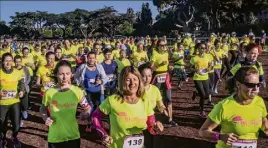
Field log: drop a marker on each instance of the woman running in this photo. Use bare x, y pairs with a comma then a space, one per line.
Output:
11, 89
240, 116
161, 77
62, 101
201, 65
122, 61
129, 111
139, 57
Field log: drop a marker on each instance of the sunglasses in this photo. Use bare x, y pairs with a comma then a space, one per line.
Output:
252, 85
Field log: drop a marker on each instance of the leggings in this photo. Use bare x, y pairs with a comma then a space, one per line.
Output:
162, 86
14, 115
202, 87
217, 76
234, 55
211, 81
228, 67
71, 143
24, 102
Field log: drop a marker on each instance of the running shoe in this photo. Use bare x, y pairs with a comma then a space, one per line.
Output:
21, 123
3, 143
203, 115
172, 124
211, 103
216, 91
16, 143
24, 114
194, 95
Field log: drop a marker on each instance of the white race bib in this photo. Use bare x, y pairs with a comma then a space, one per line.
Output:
111, 77
245, 144
9, 95
140, 63
134, 141
203, 71
161, 78
218, 62
49, 85
91, 80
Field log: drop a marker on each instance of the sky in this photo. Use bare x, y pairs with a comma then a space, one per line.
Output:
8, 8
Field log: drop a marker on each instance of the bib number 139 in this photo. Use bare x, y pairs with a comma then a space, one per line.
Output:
134, 141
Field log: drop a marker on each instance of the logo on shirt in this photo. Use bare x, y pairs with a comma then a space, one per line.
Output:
242, 122
56, 104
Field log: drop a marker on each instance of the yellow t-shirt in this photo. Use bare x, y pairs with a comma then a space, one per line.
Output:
116, 54
187, 42
238, 66
176, 56
100, 58
36, 54
121, 64
3, 51
242, 120
225, 49
211, 60
218, 64
154, 95
139, 58
125, 119
9, 83
41, 59
29, 59
200, 63
234, 40
46, 76
158, 58
68, 55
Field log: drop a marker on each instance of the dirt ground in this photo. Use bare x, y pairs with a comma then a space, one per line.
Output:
34, 132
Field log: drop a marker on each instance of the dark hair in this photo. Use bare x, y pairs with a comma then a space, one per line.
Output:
17, 57
25, 48
144, 66
91, 52
57, 49
216, 42
107, 51
60, 64
49, 53
251, 46
43, 47
4, 56
243, 72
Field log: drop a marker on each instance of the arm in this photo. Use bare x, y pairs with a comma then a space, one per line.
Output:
104, 77
38, 81
206, 131
43, 111
265, 125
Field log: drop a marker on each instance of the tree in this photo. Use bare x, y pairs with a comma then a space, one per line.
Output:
5, 30
144, 20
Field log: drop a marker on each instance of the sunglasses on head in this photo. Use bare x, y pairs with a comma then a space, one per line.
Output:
252, 85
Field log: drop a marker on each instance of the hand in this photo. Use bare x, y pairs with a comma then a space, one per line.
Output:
158, 126
107, 140
84, 116
98, 82
3, 93
49, 122
21, 94
229, 138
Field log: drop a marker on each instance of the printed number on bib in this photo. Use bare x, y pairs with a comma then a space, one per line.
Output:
134, 141
161, 78
111, 77
9, 94
91, 80
203, 71
245, 144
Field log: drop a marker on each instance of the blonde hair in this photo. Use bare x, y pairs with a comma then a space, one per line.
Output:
122, 78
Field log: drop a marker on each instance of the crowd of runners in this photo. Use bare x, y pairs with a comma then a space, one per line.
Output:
126, 81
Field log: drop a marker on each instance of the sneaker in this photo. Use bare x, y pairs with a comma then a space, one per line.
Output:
89, 128
203, 115
216, 91
3, 143
24, 114
194, 95
211, 103
172, 124
16, 143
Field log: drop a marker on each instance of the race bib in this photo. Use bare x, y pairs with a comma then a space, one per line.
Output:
218, 62
203, 71
161, 78
10, 94
245, 144
111, 77
134, 141
91, 80
49, 85
66, 57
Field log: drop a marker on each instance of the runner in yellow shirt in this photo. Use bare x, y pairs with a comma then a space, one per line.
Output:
129, 111
11, 89
62, 101
122, 61
69, 53
140, 56
240, 116
41, 59
28, 61
116, 51
201, 66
